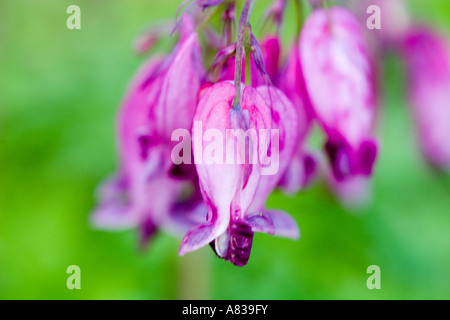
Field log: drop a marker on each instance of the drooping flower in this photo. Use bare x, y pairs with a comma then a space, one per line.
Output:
229, 179
427, 60
340, 83
148, 187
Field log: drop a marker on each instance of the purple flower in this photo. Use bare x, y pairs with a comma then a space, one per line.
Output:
340, 83
427, 59
146, 192
228, 186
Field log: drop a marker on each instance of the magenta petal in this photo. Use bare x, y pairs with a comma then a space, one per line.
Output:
260, 223
188, 213
147, 231
240, 243
367, 154
197, 238
114, 216
285, 225
114, 210
301, 173
177, 97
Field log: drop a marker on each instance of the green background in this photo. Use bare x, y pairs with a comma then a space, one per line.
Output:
59, 95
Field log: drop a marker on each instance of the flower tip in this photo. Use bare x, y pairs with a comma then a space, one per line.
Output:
367, 154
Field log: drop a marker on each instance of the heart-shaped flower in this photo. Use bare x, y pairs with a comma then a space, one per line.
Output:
340, 82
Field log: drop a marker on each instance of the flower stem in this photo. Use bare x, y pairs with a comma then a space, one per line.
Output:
300, 13
214, 13
248, 49
243, 22
194, 276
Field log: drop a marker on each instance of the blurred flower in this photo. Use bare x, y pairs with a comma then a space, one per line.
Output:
340, 83
427, 60
148, 185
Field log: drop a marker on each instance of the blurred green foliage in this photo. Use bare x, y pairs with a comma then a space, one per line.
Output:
59, 94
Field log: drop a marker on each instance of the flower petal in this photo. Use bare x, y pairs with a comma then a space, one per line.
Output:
274, 222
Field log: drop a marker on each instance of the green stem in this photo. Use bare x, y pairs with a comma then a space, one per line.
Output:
299, 9
248, 49
210, 17
194, 276
243, 22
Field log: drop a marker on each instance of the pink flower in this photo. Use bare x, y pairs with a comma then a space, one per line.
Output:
147, 189
340, 83
427, 58
228, 186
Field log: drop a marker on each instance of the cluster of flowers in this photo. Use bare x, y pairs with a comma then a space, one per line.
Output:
328, 77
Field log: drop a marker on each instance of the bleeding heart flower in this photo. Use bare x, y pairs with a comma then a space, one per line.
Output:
427, 57
162, 98
228, 185
340, 83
